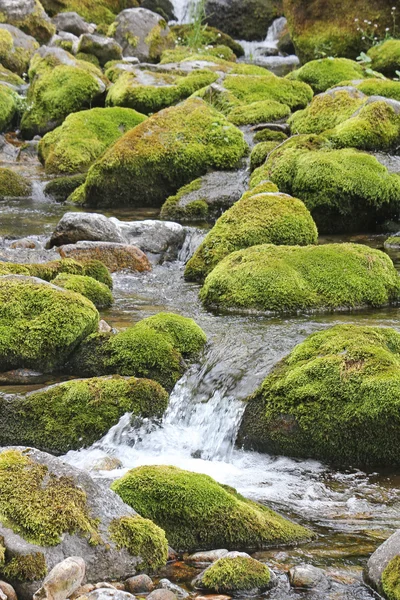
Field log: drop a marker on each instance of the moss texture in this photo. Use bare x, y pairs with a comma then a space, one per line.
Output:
141, 537
13, 185
150, 92
25, 567
84, 137
93, 290
391, 579
101, 12
13, 56
159, 156
257, 88
209, 36
236, 574
345, 189
197, 513
180, 53
293, 278
244, 20
75, 414
334, 397
263, 111
8, 108
266, 218
36, 23
38, 505
268, 135
41, 325
385, 57
260, 153
197, 210
62, 187
327, 72
380, 87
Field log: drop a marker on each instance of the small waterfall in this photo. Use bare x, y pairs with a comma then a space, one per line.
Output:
193, 239
182, 10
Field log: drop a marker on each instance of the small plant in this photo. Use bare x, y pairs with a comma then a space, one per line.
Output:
372, 34
197, 16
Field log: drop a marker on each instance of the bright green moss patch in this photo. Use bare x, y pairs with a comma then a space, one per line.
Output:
83, 137
249, 89
10, 77
260, 176
75, 414
385, 57
209, 36
327, 72
101, 12
293, 278
236, 574
13, 185
391, 579
196, 210
41, 325
268, 135
183, 333
256, 219
25, 567
141, 537
260, 153
197, 513
392, 242
334, 397
156, 158
380, 87
95, 291
263, 111
180, 53
38, 505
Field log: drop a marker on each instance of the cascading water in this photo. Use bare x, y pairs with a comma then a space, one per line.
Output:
181, 10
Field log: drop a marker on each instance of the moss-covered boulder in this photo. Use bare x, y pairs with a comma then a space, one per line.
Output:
198, 513
292, 278
41, 324
379, 87
235, 573
344, 189
93, 290
148, 92
13, 185
75, 414
264, 111
60, 85
50, 510
8, 108
168, 150
265, 218
208, 37
16, 48
327, 72
154, 348
382, 571
101, 12
335, 397
61, 188
83, 137
29, 16
385, 57
243, 19
322, 28
260, 153
269, 135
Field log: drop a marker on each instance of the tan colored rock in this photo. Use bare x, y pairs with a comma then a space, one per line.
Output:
117, 257
63, 580
139, 584
8, 591
81, 591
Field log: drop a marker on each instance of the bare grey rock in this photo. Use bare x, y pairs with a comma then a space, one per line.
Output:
63, 580
72, 22
166, 584
307, 576
160, 240
136, 24
203, 559
64, 36
104, 48
76, 227
139, 584
161, 594
18, 11
380, 559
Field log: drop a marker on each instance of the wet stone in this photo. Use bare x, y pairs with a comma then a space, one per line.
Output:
139, 584
203, 559
166, 584
307, 576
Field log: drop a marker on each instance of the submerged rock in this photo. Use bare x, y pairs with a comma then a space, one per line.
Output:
308, 577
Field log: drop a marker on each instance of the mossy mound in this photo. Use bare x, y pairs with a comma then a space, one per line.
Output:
344, 189
33, 20
265, 218
62, 187
197, 513
271, 278
84, 137
41, 324
326, 111
180, 53
8, 110
233, 574
75, 414
209, 36
327, 72
16, 49
393, 241
159, 156
150, 92
102, 12
391, 579
260, 176
13, 185
260, 153
263, 111
153, 348
93, 290
9, 77
379, 87
385, 57
334, 397
141, 537
259, 88
268, 135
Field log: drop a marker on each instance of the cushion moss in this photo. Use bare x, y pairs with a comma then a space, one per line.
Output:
95, 291
141, 537
231, 575
13, 185
327, 72
391, 579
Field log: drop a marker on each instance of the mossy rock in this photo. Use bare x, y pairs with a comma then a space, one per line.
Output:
334, 397
260, 176
62, 187
327, 72
271, 278
41, 324
16, 49
209, 36
93, 290
391, 579
344, 189
243, 19
393, 241
197, 513
154, 348
90, 58
269, 135
10, 78
149, 92
260, 153
30, 17
8, 111
156, 158
180, 53
84, 137
50, 509
102, 12
236, 575
385, 57
379, 87
13, 185
254, 113
327, 110
76, 414
264, 218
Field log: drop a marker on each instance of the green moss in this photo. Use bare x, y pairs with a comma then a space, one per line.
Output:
326, 111
392, 242
180, 53
293, 278
83, 137
334, 397
2, 551
263, 111
38, 505
156, 158
76, 414
101, 12
157, 91
219, 98
13, 57
193, 211
9, 77
385, 57
90, 58
96, 269
184, 334
261, 188
36, 24
380, 87
391, 579
158, 41
197, 513
62, 187
257, 219
268, 135
40, 325
141, 537
327, 72
236, 574
209, 36
13, 185
96, 292
249, 89
260, 153
25, 567
345, 189
8, 109
260, 176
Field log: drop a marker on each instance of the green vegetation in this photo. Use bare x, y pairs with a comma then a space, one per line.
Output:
256, 88
293, 278
13, 56
62, 187
95, 291
263, 111
35, 23
385, 57
8, 107
391, 579
380, 87
236, 574
197, 513
210, 36
25, 567
13, 185
327, 72
141, 537
268, 135
260, 153
334, 397
102, 12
